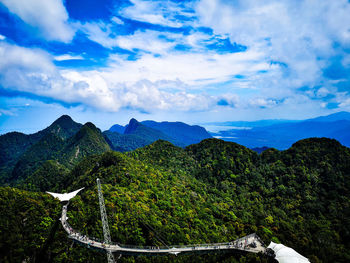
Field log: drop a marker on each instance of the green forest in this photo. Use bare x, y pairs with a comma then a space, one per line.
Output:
213, 191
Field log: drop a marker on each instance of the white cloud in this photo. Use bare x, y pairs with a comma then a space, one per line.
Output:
99, 32
32, 71
149, 96
156, 42
262, 102
345, 103
159, 61
231, 100
195, 70
322, 92
299, 34
2, 37
30, 60
146, 41
156, 12
287, 47
346, 60
6, 112
68, 57
112, 94
117, 20
124, 86
49, 16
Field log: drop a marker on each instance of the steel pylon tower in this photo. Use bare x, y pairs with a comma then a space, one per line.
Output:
106, 233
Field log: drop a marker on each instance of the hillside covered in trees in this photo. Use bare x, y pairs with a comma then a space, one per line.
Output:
214, 191
25, 158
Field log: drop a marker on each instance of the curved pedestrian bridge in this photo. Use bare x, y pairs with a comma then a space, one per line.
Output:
250, 243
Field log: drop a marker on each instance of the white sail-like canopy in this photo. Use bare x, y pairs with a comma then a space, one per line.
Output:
67, 196
286, 254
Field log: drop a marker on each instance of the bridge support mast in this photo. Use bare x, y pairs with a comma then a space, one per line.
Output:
106, 233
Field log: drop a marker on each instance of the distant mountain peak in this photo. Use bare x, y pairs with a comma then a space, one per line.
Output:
63, 119
132, 126
63, 127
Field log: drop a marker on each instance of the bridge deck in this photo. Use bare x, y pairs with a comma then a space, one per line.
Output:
250, 243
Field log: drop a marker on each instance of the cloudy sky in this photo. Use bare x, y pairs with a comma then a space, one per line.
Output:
107, 61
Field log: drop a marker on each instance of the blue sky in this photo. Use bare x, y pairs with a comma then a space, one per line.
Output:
193, 61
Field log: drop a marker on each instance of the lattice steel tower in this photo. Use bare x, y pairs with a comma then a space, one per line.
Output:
106, 233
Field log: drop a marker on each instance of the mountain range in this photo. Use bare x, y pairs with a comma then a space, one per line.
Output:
138, 134
206, 192
281, 134
68, 142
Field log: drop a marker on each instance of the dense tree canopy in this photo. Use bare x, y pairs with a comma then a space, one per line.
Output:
214, 191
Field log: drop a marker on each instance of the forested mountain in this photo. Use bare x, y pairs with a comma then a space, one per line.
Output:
181, 132
138, 134
65, 142
13, 145
124, 142
117, 128
64, 127
47, 148
58, 155
137, 128
214, 191
56, 148
135, 135
87, 141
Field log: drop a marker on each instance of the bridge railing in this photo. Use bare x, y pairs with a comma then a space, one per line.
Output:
235, 244
174, 246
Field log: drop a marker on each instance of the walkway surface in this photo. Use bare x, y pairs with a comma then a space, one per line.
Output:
250, 243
